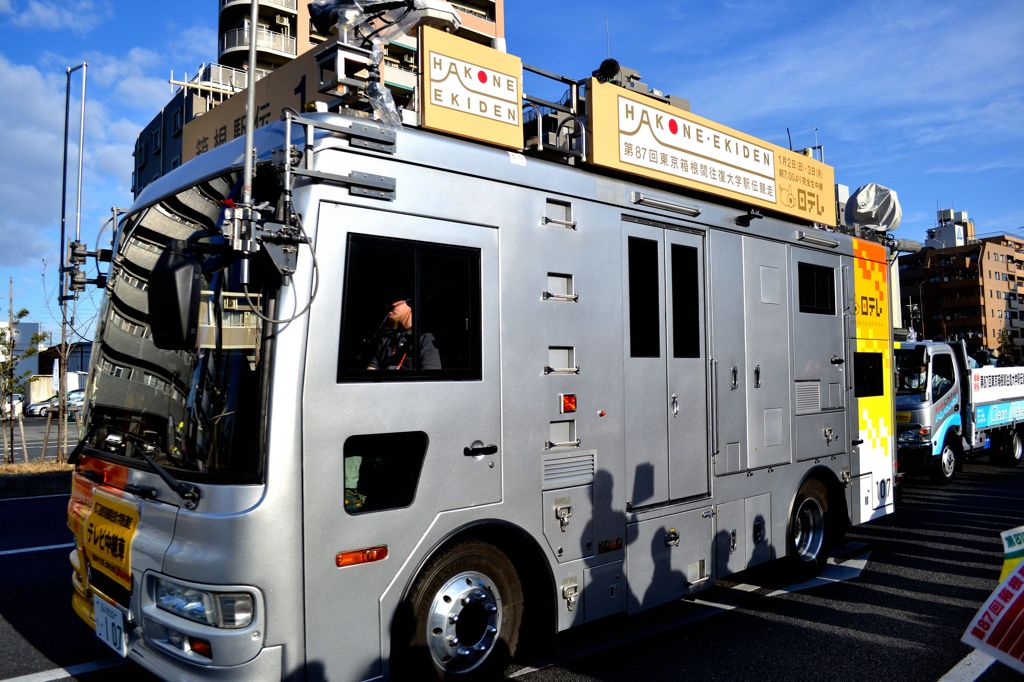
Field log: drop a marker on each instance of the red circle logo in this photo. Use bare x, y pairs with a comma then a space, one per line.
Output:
673, 127
482, 77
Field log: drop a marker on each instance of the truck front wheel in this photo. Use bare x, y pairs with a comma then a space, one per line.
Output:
466, 609
945, 466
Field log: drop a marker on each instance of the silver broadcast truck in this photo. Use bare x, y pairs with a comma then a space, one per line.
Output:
948, 407
398, 398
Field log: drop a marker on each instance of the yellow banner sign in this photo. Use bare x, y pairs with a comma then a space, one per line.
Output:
471, 90
108, 534
637, 134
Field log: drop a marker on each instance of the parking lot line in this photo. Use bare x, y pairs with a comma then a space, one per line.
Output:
42, 548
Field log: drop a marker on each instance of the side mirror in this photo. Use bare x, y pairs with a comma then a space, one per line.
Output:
175, 285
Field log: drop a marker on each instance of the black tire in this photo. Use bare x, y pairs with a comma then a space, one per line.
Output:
948, 462
466, 608
811, 531
1011, 451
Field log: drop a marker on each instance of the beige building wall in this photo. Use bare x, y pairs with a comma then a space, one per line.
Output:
1002, 266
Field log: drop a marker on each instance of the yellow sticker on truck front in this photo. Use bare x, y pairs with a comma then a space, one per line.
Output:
107, 537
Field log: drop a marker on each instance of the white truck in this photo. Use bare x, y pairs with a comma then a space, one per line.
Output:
947, 407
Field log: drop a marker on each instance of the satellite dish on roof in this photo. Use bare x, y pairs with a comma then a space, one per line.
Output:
874, 207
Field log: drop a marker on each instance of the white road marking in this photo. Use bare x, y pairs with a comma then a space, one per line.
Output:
970, 668
64, 673
42, 548
832, 573
33, 497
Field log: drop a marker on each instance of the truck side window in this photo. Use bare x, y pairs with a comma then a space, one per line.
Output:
867, 375
410, 311
644, 301
382, 470
817, 285
942, 375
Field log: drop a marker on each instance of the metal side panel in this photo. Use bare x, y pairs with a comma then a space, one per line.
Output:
667, 558
820, 435
568, 525
603, 593
767, 307
728, 348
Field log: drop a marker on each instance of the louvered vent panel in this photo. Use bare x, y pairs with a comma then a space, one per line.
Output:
577, 469
808, 397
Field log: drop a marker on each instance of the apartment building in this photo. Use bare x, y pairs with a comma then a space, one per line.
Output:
283, 32
968, 290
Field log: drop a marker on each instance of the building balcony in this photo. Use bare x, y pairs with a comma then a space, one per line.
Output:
286, 5
226, 77
267, 41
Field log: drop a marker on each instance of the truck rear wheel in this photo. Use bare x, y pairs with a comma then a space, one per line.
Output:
1012, 451
810, 531
467, 607
945, 467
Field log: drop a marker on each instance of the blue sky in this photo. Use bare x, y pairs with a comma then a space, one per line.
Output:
924, 97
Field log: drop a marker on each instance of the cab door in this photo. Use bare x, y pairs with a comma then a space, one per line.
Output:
391, 445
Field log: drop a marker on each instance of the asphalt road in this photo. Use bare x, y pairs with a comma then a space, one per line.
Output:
36, 436
899, 614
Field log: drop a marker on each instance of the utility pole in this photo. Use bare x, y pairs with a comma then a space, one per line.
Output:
10, 363
62, 354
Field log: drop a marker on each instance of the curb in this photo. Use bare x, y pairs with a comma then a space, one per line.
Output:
28, 485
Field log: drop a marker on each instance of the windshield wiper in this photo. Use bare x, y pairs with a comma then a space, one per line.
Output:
188, 492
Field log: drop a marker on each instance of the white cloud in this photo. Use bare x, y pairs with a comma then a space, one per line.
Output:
5, 7
79, 17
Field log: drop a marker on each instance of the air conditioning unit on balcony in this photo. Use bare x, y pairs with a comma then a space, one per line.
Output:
281, 20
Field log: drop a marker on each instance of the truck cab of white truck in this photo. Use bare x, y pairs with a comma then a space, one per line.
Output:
947, 407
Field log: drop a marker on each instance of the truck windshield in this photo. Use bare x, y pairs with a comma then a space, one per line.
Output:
198, 413
911, 372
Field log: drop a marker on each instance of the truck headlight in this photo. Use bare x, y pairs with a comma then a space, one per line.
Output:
219, 609
915, 436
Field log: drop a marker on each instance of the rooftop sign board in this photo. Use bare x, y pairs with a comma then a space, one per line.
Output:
471, 90
642, 136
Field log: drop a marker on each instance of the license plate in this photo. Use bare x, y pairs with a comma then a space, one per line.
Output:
110, 621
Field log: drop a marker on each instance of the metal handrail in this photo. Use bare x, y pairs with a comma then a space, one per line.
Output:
265, 40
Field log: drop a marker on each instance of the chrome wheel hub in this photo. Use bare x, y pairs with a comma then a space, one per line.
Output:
809, 530
948, 461
464, 621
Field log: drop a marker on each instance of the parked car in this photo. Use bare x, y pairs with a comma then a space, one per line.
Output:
75, 400
52, 404
39, 409
5, 408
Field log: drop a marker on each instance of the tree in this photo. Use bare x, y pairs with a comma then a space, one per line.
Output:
11, 381
1007, 350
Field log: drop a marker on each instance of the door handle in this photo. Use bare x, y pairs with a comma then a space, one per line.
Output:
478, 448
757, 376
836, 360
675, 404
735, 378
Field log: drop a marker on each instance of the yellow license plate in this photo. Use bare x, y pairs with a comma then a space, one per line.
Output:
107, 536
902, 417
